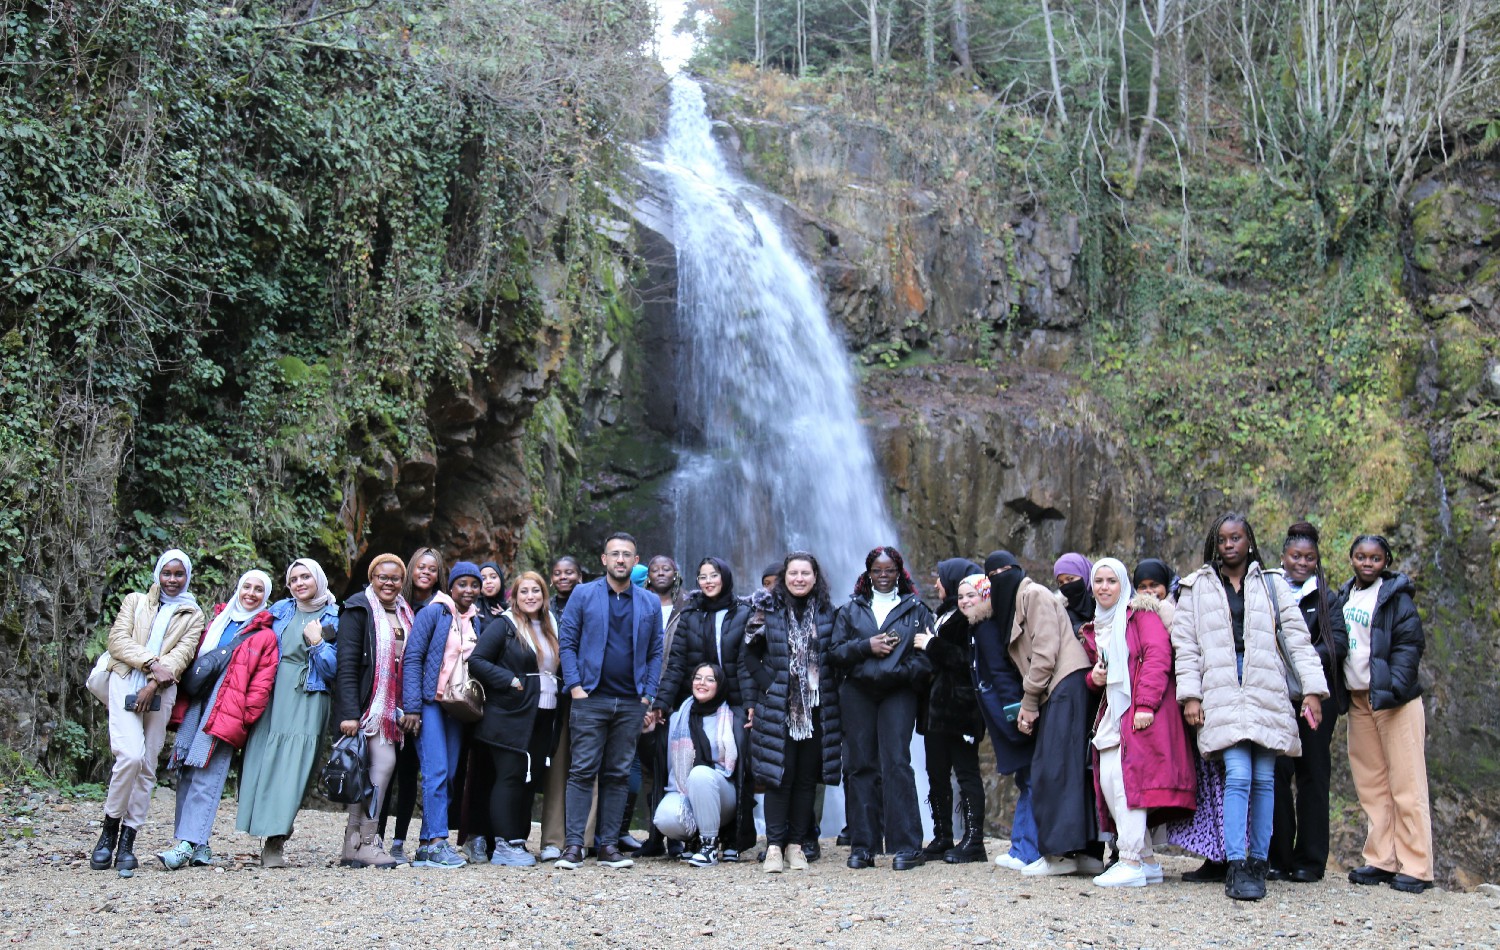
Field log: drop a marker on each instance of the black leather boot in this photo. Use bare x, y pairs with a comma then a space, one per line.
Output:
625, 840
125, 861
104, 848
971, 847
940, 798
1207, 872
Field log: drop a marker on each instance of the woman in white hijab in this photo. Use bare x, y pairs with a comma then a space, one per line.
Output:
283, 748
153, 639
223, 694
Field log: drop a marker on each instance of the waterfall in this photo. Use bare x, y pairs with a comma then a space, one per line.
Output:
774, 458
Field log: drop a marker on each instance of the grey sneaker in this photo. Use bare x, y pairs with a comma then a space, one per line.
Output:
551, 853
510, 856
440, 855
176, 857
398, 851
202, 856
476, 850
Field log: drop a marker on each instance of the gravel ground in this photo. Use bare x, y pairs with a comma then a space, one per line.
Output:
50, 898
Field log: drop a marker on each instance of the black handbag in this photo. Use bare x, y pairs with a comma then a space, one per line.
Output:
200, 678
346, 775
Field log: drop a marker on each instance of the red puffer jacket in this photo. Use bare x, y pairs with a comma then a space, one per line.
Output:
245, 691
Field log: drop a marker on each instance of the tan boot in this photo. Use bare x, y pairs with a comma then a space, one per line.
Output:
796, 858
369, 853
351, 844
773, 863
270, 853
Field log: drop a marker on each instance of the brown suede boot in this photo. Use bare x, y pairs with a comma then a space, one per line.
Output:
351, 844
367, 851
270, 852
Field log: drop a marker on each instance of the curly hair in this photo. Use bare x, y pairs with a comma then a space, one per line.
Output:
904, 585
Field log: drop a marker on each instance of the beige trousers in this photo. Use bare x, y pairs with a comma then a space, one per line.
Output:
1130, 823
1388, 762
382, 753
136, 739
555, 795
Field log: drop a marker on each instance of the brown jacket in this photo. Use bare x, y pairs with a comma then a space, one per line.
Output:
1042, 644
131, 631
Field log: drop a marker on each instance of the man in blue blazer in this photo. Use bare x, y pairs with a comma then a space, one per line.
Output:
609, 646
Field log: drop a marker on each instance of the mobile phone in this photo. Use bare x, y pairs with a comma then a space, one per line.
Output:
1012, 712
130, 703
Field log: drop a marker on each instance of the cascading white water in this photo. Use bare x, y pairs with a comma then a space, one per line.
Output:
774, 458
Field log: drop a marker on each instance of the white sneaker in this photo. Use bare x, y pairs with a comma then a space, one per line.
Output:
1010, 862
551, 853
1121, 874
1050, 864
1153, 872
1088, 864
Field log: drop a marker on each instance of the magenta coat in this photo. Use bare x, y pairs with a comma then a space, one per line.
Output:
1157, 761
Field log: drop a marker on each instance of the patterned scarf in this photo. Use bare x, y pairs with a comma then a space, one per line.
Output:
683, 752
802, 697
382, 711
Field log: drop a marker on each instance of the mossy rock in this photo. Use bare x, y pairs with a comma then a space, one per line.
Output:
1475, 451
1462, 354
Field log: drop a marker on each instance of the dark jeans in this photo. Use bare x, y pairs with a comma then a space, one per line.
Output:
882, 789
603, 731
789, 806
1299, 831
407, 785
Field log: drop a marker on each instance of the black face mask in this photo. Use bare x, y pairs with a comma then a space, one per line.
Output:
1076, 593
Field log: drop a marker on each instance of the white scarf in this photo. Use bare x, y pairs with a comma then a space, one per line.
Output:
234, 612
167, 607
1109, 636
321, 597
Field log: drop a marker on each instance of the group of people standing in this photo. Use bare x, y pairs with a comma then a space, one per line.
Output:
1131, 708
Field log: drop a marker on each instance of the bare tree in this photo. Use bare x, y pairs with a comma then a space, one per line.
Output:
1057, 92
958, 33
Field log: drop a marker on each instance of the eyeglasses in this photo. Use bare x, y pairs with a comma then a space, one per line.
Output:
705, 578
704, 679
387, 579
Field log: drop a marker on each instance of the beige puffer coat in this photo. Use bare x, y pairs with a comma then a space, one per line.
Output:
1042, 644
1255, 707
131, 632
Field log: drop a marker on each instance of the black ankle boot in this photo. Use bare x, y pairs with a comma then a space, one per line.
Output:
1207, 872
125, 857
104, 849
971, 847
940, 798
625, 840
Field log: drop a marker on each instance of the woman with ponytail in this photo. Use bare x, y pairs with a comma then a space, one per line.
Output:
1299, 834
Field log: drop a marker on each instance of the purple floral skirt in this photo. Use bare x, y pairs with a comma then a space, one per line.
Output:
1203, 834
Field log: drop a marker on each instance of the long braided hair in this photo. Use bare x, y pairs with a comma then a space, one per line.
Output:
1211, 544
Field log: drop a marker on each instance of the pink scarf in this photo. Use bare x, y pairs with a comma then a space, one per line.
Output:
461, 638
382, 711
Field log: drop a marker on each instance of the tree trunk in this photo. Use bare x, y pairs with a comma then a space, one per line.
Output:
959, 33
929, 40
1057, 93
872, 8
1153, 90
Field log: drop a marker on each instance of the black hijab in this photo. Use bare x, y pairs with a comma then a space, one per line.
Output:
950, 573
1003, 589
725, 600
703, 753
492, 606
1153, 569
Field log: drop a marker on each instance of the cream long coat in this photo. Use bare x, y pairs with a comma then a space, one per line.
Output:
1256, 707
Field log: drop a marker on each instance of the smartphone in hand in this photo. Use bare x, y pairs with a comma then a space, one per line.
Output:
130, 703
1012, 712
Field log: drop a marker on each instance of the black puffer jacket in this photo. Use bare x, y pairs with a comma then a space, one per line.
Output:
693, 643
765, 682
499, 657
905, 667
950, 706
354, 677
1333, 665
1396, 641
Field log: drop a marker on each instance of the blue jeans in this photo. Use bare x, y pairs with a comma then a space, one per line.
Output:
1249, 800
1023, 825
437, 751
602, 731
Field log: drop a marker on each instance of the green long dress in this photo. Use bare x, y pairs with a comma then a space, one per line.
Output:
284, 745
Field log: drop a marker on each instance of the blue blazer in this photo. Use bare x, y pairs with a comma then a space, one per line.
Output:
585, 627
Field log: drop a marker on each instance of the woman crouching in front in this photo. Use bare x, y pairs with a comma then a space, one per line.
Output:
704, 745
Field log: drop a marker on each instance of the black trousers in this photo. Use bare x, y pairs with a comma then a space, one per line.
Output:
882, 792
404, 790
949, 756
510, 797
1299, 831
789, 806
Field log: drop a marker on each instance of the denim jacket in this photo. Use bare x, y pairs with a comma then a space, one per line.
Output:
322, 660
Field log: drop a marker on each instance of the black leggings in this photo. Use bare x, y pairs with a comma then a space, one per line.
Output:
951, 755
405, 789
511, 796
789, 806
